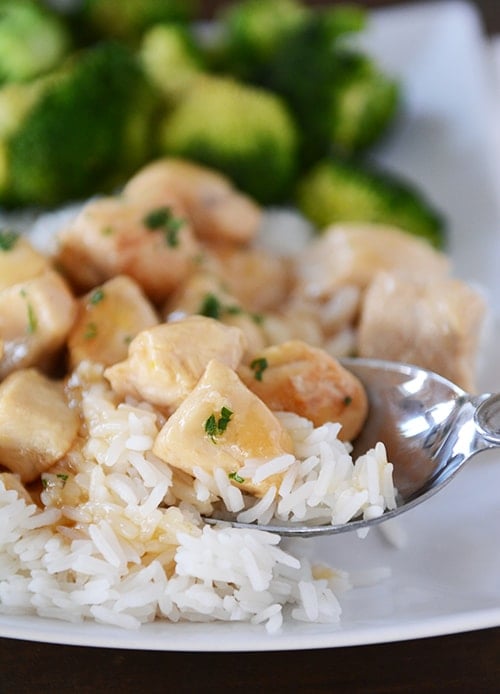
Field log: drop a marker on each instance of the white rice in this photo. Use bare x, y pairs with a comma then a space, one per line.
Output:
108, 547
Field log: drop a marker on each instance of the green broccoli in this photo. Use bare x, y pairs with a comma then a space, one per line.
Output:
78, 130
128, 19
171, 58
365, 103
249, 31
337, 190
243, 131
310, 71
32, 40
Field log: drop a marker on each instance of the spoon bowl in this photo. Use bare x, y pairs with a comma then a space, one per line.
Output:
430, 428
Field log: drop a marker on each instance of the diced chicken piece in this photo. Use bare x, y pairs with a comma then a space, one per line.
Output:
218, 212
293, 323
37, 426
222, 424
13, 482
108, 318
351, 254
295, 377
165, 362
35, 319
204, 293
433, 324
260, 280
19, 261
111, 236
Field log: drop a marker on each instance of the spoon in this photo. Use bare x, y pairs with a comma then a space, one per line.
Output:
430, 428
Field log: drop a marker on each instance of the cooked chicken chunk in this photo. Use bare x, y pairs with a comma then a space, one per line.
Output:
295, 377
111, 236
260, 280
19, 261
222, 424
165, 362
35, 319
434, 324
108, 318
218, 212
205, 294
37, 426
351, 254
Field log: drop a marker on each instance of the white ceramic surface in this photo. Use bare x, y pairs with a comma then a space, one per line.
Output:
447, 578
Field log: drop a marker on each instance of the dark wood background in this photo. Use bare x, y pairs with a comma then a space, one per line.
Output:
467, 662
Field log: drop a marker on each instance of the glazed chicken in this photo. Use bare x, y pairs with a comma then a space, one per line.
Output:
222, 424
165, 362
37, 425
35, 318
295, 377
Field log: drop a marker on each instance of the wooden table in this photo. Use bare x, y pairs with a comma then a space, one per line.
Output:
468, 662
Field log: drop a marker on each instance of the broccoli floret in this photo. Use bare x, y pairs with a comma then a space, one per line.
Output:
309, 71
128, 19
32, 40
245, 132
249, 32
337, 190
87, 127
365, 103
171, 58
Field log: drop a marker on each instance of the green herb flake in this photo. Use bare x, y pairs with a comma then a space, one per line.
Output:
90, 331
257, 318
63, 477
45, 483
225, 418
347, 400
210, 307
97, 296
107, 231
163, 218
211, 427
8, 239
259, 366
32, 319
234, 476
234, 310
215, 427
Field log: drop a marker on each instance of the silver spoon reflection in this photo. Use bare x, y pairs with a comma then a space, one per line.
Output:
430, 428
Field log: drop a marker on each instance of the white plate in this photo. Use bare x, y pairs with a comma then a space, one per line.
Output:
447, 579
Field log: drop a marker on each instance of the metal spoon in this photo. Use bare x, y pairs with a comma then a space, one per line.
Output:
430, 428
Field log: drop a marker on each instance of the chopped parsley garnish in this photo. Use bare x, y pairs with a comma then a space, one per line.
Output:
210, 307
347, 400
8, 239
234, 476
90, 331
32, 319
163, 219
215, 427
96, 296
259, 366
257, 318
49, 482
107, 231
